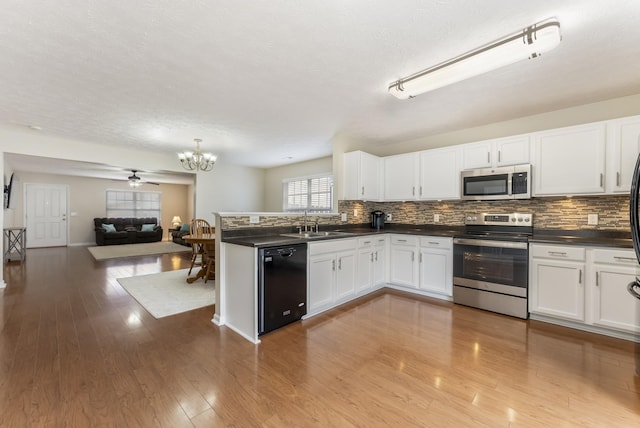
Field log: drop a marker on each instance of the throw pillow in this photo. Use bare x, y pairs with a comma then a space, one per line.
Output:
185, 227
148, 227
109, 228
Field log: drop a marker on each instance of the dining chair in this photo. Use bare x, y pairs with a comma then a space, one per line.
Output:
198, 226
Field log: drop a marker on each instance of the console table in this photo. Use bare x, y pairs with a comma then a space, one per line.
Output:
15, 241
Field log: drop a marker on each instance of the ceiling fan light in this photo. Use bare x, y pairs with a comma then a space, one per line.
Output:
528, 43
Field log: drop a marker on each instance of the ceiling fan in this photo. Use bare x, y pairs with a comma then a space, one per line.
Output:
136, 181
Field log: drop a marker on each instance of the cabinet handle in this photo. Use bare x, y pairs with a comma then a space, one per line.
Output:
624, 259
367, 242
434, 243
340, 263
333, 265
580, 276
376, 256
413, 190
413, 257
402, 240
371, 257
488, 157
420, 190
498, 155
557, 253
420, 259
601, 179
597, 279
617, 179
362, 190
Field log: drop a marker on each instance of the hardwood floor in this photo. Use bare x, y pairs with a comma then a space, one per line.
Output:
76, 350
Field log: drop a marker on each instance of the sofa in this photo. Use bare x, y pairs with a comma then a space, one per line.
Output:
177, 234
126, 230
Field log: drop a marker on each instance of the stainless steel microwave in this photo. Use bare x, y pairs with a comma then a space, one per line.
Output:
487, 184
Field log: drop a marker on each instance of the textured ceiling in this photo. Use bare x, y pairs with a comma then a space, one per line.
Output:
266, 83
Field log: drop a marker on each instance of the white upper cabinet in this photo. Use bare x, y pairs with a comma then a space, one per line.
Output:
623, 146
493, 153
569, 161
400, 177
440, 174
361, 177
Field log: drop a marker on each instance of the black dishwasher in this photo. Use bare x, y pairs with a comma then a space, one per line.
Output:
282, 286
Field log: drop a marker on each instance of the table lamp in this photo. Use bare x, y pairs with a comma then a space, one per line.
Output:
177, 221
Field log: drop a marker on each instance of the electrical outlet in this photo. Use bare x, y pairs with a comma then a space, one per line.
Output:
389, 217
436, 218
254, 219
592, 219
355, 213
343, 217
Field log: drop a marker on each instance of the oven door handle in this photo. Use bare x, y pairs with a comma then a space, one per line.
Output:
487, 243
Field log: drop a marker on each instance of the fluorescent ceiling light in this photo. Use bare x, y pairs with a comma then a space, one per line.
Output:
528, 43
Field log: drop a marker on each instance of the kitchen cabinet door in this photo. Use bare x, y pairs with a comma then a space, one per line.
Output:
365, 269
345, 275
379, 261
623, 147
557, 288
569, 161
361, 176
514, 150
613, 306
439, 174
436, 271
477, 155
400, 177
321, 281
403, 263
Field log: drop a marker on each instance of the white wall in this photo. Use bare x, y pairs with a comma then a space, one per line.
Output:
274, 176
229, 188
2, 174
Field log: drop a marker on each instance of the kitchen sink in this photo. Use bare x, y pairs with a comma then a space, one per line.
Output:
316, 235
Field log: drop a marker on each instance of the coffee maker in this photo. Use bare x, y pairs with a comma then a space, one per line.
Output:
377, 219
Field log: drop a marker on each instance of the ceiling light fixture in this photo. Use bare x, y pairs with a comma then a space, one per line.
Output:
134, 180
197, 161
528, 43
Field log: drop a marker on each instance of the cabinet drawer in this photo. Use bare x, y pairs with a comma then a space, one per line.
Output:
408, 240
618, 257
367, 241
558, 252
332, 246
436, 242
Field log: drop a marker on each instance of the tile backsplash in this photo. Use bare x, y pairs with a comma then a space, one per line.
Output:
549, 213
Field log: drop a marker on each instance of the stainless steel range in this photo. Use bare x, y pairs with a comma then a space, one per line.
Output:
491, 263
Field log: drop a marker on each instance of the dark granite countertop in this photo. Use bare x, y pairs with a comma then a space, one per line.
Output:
270, 237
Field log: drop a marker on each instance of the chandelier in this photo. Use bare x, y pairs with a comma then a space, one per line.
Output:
197, 161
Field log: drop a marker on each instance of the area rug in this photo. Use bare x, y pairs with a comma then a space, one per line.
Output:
167, 293
105, 252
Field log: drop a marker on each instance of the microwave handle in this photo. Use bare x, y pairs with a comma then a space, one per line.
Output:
510, 185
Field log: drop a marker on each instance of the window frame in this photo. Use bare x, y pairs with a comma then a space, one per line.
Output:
309, 193
136, 200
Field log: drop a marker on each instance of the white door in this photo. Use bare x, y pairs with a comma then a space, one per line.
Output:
46, 215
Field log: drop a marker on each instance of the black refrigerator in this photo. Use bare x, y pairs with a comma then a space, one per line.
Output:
634, 287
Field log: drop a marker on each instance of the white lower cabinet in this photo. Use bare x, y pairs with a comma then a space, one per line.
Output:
371, 263
403, 261
332, 273
585, 286
422, 262
436, 265
611, 304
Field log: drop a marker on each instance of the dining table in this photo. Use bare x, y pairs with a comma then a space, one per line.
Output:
207, 242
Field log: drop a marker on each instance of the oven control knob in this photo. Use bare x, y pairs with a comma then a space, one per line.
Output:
513, 219
526, 220
519, 219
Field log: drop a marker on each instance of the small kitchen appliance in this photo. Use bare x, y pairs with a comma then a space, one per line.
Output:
377, 219
490, 184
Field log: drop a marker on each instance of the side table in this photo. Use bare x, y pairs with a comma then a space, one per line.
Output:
15, 242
